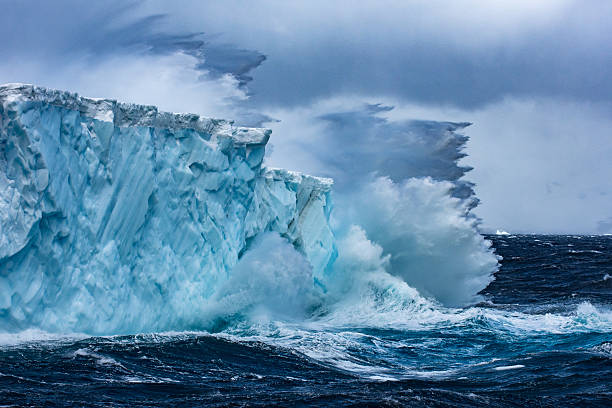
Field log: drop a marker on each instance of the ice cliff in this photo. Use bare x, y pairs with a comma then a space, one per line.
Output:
118, 217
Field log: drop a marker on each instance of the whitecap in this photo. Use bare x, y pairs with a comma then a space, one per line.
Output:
510, 367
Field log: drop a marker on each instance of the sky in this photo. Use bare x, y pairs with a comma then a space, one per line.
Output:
533, 78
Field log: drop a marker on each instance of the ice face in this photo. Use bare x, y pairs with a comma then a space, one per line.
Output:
120, 218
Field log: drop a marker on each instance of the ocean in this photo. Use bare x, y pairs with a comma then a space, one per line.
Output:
540, 336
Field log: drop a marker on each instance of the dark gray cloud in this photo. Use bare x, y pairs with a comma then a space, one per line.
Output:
432, 74
467, 54
359, 142
415, 51
69, 29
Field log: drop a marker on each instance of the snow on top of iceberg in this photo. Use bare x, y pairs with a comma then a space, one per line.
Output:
129, 114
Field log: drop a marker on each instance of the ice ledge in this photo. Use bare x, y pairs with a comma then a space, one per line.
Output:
322, 184
128, 114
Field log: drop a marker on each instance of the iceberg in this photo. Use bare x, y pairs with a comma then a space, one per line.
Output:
120, 218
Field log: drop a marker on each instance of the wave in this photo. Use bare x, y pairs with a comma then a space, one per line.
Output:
431, 242
381, 344
384, 343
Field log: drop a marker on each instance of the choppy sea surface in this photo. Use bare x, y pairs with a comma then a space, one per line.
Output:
542, 336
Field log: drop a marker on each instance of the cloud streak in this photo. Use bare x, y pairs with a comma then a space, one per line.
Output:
466, 54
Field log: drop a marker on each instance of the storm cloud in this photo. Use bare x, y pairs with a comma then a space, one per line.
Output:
532, 77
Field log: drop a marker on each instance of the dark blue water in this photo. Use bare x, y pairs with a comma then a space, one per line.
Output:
541, 337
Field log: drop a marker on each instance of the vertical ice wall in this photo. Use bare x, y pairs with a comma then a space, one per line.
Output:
117, 217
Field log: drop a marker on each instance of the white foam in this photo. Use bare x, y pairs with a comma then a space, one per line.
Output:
37, 336
604, 349
510, 367
99, 358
